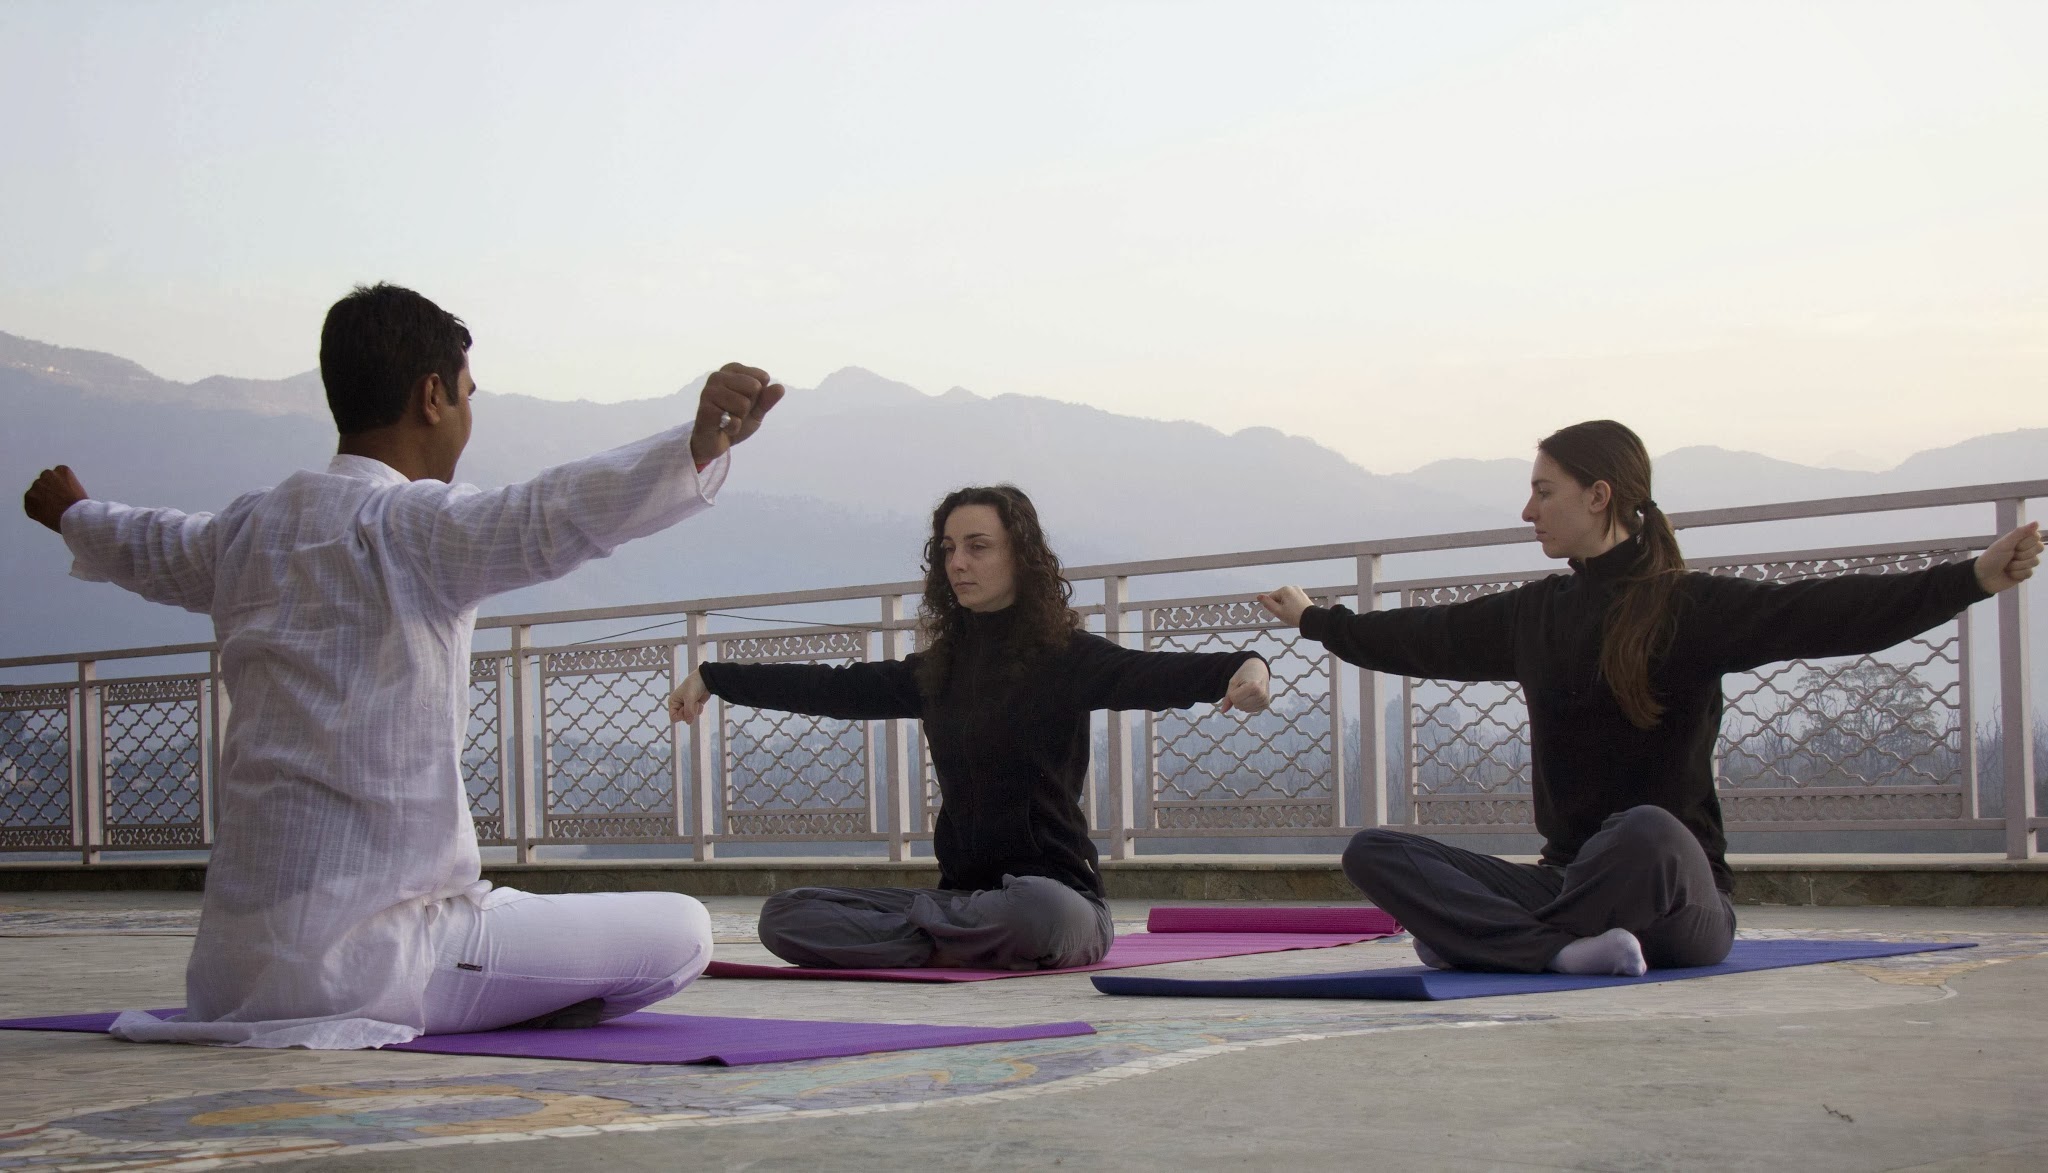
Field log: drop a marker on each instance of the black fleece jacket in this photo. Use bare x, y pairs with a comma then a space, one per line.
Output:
1589, 761
1009, 740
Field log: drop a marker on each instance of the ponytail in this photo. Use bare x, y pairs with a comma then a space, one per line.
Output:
1643, 616
1640, 621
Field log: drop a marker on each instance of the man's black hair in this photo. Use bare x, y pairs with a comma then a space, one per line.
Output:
377, 344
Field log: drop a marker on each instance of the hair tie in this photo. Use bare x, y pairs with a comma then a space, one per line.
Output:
1648, 504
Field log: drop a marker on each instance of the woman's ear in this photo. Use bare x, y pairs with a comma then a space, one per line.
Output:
1600, 496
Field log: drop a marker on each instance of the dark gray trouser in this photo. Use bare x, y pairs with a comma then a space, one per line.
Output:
1031, 922
1642, 871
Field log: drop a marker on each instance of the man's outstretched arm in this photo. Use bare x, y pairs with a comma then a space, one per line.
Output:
161, 554
473, 544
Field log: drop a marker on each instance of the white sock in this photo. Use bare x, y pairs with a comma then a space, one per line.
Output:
1615, 952
1428, 956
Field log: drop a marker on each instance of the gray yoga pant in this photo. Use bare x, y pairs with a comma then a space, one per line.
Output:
1031, 922
1642, 871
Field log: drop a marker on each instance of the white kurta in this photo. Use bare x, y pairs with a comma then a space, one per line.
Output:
344, 602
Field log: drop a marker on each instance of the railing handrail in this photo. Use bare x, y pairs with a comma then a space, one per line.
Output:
1286, 555
1413, 544
114, 654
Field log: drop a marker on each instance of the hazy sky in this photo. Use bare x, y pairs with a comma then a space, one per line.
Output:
1410, 230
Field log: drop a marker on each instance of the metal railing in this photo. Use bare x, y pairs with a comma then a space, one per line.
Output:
570, 744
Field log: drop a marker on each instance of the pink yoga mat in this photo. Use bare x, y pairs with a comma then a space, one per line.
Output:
1192, 934
648, 1037
1352, 919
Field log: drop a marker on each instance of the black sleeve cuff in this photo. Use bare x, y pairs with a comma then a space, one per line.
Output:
1316, 622
709, 672
1968, 590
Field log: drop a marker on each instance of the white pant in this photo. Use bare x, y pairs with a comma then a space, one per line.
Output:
520, 955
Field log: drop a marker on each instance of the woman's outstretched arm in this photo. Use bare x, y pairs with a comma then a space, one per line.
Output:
1738, 624
1106, 676
1473, 640
853, 692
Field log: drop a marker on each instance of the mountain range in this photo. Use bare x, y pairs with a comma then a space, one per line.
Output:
837, 487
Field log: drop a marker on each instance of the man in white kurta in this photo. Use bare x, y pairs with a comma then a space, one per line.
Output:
344, 905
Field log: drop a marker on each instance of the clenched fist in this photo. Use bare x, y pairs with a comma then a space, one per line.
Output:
1248, 692
687, 702
2010, 560
1286, 604
54, 491
730, 409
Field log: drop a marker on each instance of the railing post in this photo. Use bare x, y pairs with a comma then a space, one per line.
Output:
703, 797
1372, 759
896, 775
214, 727
678, 750
91, 790
2015, 701
525, 790
1121, 843
1966, 716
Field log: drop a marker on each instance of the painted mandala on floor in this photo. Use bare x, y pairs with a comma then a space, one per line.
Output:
278, 1124
263, 1125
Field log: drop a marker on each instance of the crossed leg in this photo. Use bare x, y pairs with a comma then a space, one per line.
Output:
1031, 922
523, 957
1642, 873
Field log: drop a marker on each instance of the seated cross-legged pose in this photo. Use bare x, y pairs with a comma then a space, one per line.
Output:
1621, 664
343, 901
1004, 684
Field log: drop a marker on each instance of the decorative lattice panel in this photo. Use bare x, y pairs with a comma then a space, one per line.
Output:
1466, 739
35, 767
1802, 741
607, 749
1214, 771
483, 774
787, 774
153, 738
1894, 718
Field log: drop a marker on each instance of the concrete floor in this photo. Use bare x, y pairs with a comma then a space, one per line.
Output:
1936, 1061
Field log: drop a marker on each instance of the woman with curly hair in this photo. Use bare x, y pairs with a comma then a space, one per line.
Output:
1621, 661
1003, 682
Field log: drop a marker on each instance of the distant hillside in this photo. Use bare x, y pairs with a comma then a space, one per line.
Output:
837, 489
1706, 477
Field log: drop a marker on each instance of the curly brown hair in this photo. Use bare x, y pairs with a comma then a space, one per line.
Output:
1044, 606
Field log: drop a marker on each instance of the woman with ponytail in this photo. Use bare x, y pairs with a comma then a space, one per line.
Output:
1003, 681
1621, 663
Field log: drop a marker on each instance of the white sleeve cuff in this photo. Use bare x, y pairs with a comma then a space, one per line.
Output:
72, 526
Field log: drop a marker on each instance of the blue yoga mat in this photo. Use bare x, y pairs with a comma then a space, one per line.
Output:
1422, 984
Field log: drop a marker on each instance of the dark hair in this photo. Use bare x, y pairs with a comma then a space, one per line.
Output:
1642, 618
375, 347
1045, 616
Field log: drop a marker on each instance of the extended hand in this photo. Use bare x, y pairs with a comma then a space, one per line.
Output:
54, 491
1285, 604
730, 409
2009, 561
1248, 689
687, 702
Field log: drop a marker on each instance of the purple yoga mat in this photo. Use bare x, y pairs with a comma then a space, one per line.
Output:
1264, 931
648, 1037
1354, 919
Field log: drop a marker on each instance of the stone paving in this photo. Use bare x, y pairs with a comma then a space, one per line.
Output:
80, 1101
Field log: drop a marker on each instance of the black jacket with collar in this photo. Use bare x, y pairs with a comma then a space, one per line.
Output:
1589, 761
1009, 738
